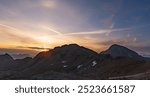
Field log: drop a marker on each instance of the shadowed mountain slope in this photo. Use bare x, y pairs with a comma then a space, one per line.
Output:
76, 62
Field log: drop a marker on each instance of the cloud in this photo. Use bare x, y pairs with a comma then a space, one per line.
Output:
45, 4
48, 3
13, 35
43, 42
122, 41
18, 51
34, 48
105, 31
49, 28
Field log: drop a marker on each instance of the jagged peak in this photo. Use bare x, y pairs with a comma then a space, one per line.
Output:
71, 44
68, 46
72, 47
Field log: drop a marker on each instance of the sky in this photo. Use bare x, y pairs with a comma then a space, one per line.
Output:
31, 26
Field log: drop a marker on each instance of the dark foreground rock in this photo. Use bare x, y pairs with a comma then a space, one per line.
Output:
76, 62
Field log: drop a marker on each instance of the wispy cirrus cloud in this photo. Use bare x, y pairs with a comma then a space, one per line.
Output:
15, 36
101, 31
105, 31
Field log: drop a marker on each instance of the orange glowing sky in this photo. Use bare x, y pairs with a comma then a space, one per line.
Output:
31, 25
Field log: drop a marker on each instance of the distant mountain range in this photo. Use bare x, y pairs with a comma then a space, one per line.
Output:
77, 62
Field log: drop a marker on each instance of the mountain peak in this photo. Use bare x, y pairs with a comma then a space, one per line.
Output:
67, 46
117, 46
120, 51
6, 55
72, 45
5, 59
66, 51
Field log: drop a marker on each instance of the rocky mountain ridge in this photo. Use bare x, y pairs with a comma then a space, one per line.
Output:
76, 62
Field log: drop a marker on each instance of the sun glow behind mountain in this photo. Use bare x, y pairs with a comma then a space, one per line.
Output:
42, 24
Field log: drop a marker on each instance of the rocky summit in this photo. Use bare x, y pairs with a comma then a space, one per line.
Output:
77, 62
